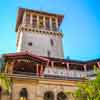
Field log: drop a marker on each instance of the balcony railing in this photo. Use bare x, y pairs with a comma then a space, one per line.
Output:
69, 75
24, 73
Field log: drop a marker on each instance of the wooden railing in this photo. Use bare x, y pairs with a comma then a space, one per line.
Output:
69, 75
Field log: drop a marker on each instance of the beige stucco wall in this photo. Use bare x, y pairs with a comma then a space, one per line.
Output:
37, 87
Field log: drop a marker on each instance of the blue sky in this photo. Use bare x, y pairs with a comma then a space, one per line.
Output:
81, 25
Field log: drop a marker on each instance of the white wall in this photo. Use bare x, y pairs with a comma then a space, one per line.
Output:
41, 44
20, 40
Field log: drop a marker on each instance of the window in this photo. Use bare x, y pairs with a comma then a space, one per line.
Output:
61, 96
49, 95
34, 21
48, 53
59, 21
41, 22
30, 43
47, 23
23, 94
52, 42
54, 24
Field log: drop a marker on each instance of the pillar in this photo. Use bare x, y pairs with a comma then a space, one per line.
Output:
37, 21
67, 66
6, 67
50, 23
31, 18
37, 69
11, 67
24, 18
44, 22
57, 24
41, 70
47, 65
98, 63
85, 70
52, 63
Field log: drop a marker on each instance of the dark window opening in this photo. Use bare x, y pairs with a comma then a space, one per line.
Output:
34, 21
52, 42
23, 93
54, 24
49, 53
27, 68
61, 96
90, 67
41, 22
49, 95
30, 43
76, 67
47, 23
27, 19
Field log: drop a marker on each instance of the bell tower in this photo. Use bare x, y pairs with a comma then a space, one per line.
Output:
38, 33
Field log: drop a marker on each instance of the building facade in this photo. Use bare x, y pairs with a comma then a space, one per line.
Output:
38, 70
38, 32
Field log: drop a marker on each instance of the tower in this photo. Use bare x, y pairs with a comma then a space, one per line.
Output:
38, 33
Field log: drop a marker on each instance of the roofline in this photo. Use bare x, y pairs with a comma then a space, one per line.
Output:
21, 11
48, 59
25, 53
41, 12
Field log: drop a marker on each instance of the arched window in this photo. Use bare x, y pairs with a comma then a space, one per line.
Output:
61, 96
48, 95
23, 94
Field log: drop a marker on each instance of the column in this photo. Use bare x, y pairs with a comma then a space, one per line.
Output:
57, 24
52, 63
37, 21
37, 69
50, 23
31, 18
98, 63
47, 65
44, 23
67, 65
24, 18
10, 67
85, 70
52, 67
6, 67
41, 70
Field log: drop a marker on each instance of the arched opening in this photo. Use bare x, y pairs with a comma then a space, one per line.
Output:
0, 92
49, 95
23, 94
61, 96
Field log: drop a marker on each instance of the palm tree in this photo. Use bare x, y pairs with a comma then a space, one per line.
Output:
4, 84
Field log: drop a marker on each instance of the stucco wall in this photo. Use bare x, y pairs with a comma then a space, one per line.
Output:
37, 88
41, 44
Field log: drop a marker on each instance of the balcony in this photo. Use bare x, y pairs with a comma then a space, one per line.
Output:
74, 75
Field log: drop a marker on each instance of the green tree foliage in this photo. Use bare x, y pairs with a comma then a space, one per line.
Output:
90, 90
4, 84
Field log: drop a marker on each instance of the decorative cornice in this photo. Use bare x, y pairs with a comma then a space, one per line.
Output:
29, 28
